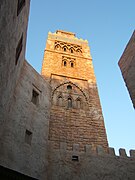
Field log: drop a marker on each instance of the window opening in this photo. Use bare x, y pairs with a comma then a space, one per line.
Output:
65, 49
71, 50
19, 49
69, 103
72, 64
28, 136
20, 5
35, 96
65, 63
75, 158
69, 87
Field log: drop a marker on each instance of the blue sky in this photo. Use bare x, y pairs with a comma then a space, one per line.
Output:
108, 26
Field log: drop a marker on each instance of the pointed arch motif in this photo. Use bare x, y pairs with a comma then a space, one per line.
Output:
60, 100
65, 48
72, 50
79, 51
69, 82
58, 47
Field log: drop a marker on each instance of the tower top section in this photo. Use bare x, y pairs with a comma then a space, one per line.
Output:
66, 36
67, 43
65, 33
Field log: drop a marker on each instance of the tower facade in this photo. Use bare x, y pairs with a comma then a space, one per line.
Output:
76, 115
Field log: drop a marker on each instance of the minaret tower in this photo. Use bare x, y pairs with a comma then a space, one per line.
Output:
76, 114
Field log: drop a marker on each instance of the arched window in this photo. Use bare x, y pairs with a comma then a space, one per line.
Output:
71, 50
65, 49
60, 101
72, 64
69, 87
78, 103
65, 63
69, 102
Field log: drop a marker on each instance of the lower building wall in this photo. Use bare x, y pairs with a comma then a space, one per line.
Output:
97, 165
24, 145
12, 28
24, 137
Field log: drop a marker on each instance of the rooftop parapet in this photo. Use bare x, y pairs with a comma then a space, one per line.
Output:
66, 36
65, 33
98, 151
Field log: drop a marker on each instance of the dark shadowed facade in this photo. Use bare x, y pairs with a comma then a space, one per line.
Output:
127, 66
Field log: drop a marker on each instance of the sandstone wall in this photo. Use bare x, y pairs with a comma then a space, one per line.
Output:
67, 63
23, 142
127, 66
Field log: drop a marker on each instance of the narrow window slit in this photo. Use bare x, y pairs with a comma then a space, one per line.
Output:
64, 49
65, 63
28, 136
72, 64
19, 49
20, 6
35, 96
69, 103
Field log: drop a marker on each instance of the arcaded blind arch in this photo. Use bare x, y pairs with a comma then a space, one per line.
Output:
78, 103
69, 102
70, 95
60, 101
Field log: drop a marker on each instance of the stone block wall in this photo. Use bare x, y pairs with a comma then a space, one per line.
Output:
67, 66
55, 55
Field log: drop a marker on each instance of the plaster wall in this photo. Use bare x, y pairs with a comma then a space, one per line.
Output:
90, 165
29, 158
12, 28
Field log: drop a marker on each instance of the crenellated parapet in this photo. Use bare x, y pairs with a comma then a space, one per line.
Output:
75, 153
67, 43
92, 163
67, 36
